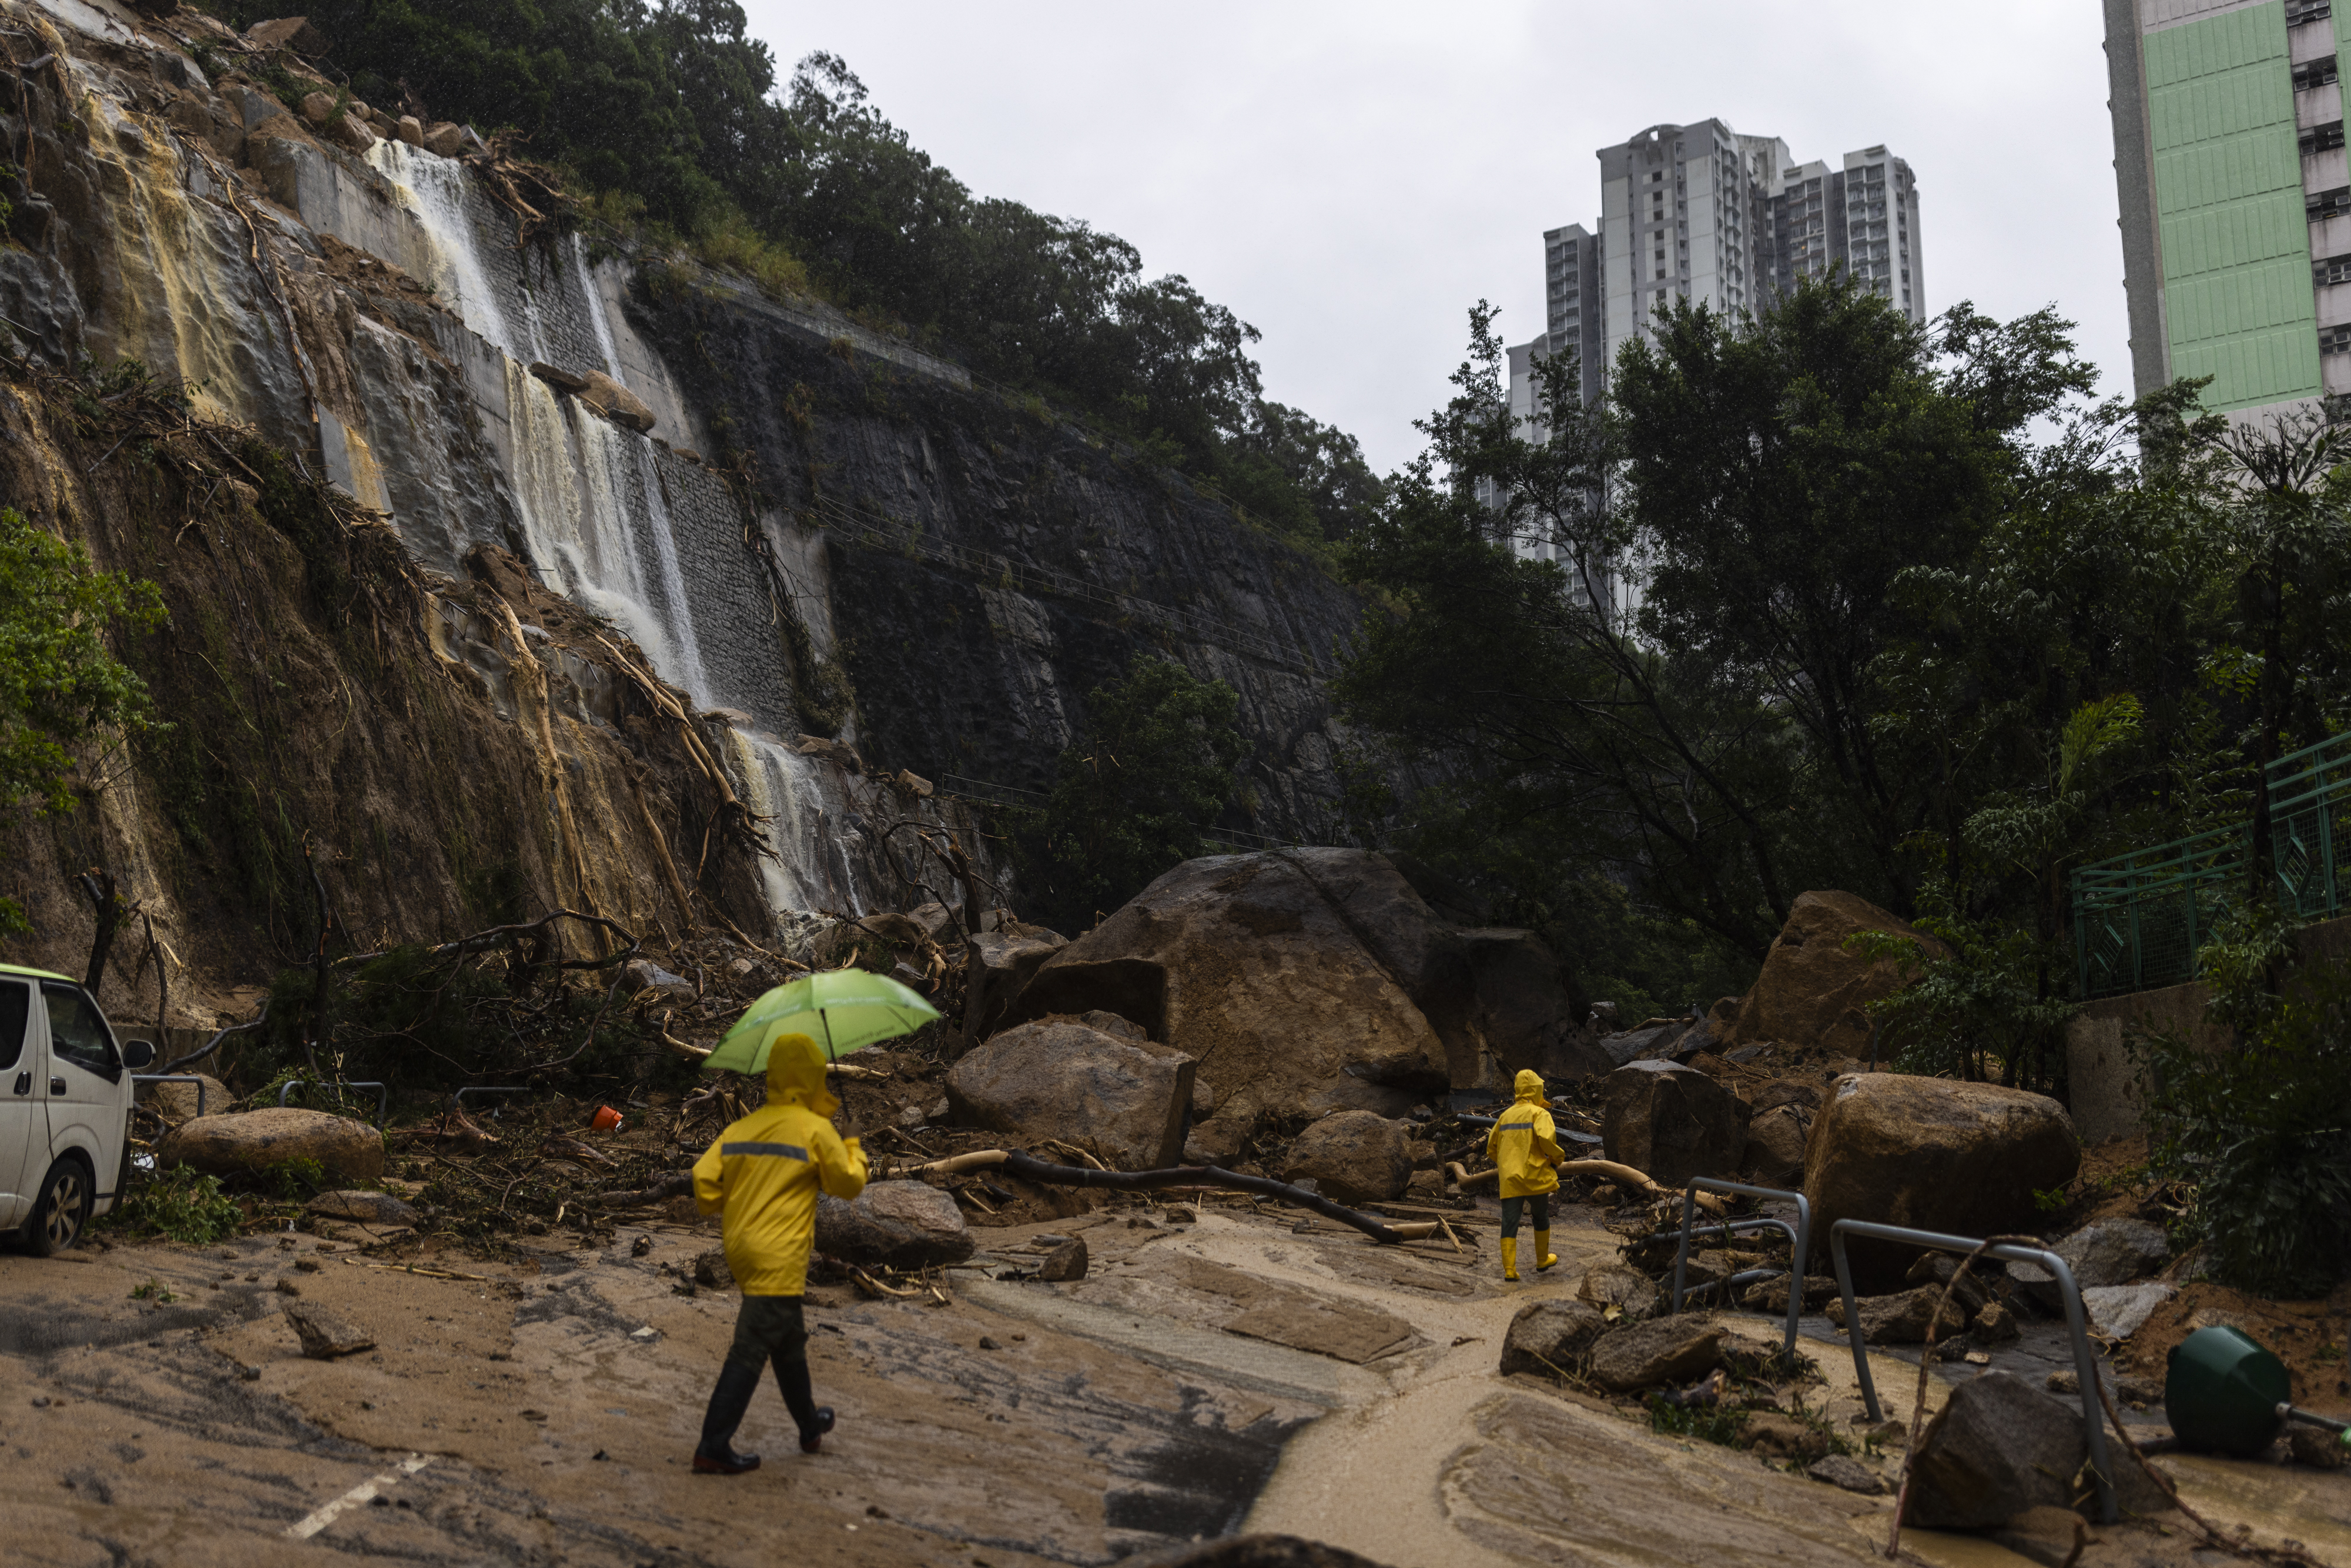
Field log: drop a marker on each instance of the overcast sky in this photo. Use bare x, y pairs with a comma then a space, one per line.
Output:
1349, 178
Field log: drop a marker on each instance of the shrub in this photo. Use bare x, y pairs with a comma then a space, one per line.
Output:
178, 1204
2262, 1135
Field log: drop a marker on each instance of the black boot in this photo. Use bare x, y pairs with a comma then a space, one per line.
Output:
815, 1420
714, 1457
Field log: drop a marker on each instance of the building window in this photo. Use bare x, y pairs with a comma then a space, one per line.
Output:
2331, 204
2314, 73
2297, 12
2335, 339
2333, 269
2322, 137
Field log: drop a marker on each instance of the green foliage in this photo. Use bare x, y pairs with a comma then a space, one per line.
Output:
1155, 765
153, 1291
180, 1206
60, 686
2241, 962
2261, 1134
1981, 1010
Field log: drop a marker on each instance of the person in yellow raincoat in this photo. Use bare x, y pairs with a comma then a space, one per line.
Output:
1524, 1148
763, 1173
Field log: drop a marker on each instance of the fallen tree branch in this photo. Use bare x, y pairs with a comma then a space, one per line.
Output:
1028, 1166
679, 1184
214, 1043
1607, 1170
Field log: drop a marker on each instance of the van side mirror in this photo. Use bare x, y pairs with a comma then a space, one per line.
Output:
139, 1055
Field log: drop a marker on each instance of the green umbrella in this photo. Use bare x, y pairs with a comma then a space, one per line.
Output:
850, 1007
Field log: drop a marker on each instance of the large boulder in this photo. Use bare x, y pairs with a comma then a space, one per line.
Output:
2000, 1446
899, 1224
1673, 1123
1549, 1337
257, 1141
1279, 972
1814, 992
1009, 958
1354, 1156
1057, 1078
1663, 1350
1901, 1318
1962, 1158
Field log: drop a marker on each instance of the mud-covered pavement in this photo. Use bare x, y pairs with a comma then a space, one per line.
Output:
1235, 1372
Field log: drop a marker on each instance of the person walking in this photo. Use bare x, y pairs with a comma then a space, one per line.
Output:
1524, 1148
763, 1173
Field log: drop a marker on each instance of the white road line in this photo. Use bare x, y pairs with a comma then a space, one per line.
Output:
359, 1496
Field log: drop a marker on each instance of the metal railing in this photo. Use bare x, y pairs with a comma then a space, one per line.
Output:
2085, 1364
2139, 918
2310, 813
175, 1078
1800, 1241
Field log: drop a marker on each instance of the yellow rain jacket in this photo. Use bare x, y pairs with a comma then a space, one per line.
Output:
764, 1172
1523, 1144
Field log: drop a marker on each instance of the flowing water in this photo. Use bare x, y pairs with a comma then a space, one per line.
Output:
598, 513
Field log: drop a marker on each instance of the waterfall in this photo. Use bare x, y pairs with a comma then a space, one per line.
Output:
787, 789
595, 297
435, 191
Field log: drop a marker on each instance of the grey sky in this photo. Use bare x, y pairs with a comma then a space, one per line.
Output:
1350, 178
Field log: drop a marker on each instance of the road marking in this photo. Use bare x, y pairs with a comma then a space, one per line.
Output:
358, 1496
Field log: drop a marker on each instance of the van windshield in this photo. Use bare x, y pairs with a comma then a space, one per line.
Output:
78, 1033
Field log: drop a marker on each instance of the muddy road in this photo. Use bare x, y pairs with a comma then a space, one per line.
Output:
1238, 1372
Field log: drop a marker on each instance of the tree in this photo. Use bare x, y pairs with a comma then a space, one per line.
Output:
1156, 764
60, 687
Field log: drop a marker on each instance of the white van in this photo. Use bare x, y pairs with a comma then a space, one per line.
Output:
64, 1108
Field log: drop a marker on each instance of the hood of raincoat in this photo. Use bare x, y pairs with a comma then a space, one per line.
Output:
796, 1074
1528, 1084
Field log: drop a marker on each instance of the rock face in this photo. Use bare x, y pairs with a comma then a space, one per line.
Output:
1288, 971
2119, 1312
1066, 1263
1962, 1158
1666, 1350
2000, 1447
1673, 1122
1351, 1157
1547, 1337
262, 1140
1061, 1079
1812, 992
902, 1224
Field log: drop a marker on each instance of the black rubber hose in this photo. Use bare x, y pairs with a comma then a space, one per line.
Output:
1023, 1164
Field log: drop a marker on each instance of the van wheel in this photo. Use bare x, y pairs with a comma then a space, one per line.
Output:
61, 1212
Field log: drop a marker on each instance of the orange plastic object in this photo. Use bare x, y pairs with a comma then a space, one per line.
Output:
606, 1119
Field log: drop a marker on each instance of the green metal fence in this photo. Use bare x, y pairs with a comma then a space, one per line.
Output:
2310, 814
2139, 918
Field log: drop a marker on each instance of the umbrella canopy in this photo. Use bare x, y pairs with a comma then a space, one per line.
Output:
843, 1009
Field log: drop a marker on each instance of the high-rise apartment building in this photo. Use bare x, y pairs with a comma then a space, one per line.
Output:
1700, 213
2236, 197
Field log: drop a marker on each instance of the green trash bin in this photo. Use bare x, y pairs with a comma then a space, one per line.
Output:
2224, 1393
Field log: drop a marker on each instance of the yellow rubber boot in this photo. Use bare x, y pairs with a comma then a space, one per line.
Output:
1544, 1258
1510, 1257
